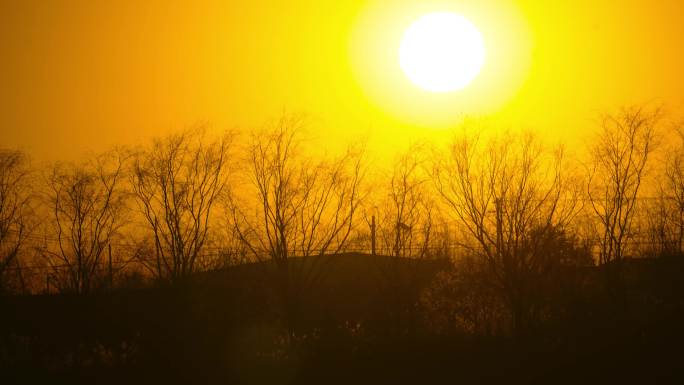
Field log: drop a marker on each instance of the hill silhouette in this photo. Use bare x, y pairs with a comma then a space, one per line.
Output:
356, 322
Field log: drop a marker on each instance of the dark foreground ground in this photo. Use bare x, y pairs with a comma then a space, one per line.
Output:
357, 325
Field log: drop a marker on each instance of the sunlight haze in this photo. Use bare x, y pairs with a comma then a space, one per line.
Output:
81, 76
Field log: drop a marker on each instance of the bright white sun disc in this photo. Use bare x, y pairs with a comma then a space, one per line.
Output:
442, 52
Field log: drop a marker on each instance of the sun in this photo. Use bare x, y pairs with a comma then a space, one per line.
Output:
442, 52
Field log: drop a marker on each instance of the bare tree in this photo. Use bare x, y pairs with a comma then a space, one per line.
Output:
619, 158
296, 206
507, 194
672, 192
407, 224
659, 226
407, 232
14, 209
87, 204
177, 182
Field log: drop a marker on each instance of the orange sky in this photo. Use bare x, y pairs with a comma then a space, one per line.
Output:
77, 76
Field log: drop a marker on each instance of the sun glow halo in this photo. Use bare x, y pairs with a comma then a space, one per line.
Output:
442, 52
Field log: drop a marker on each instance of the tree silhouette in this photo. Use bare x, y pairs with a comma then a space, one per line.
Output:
408, 217
507, 193
295, 206
177, 182
407, 229
87, 204
673, 191
619, 158
15, 217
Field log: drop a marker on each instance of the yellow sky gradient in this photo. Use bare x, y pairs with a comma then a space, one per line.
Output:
78, 76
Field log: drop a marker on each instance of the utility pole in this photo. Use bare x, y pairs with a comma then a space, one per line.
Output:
111, 271
373, 235
499, 235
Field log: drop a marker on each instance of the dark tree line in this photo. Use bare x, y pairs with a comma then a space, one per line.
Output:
510, 210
